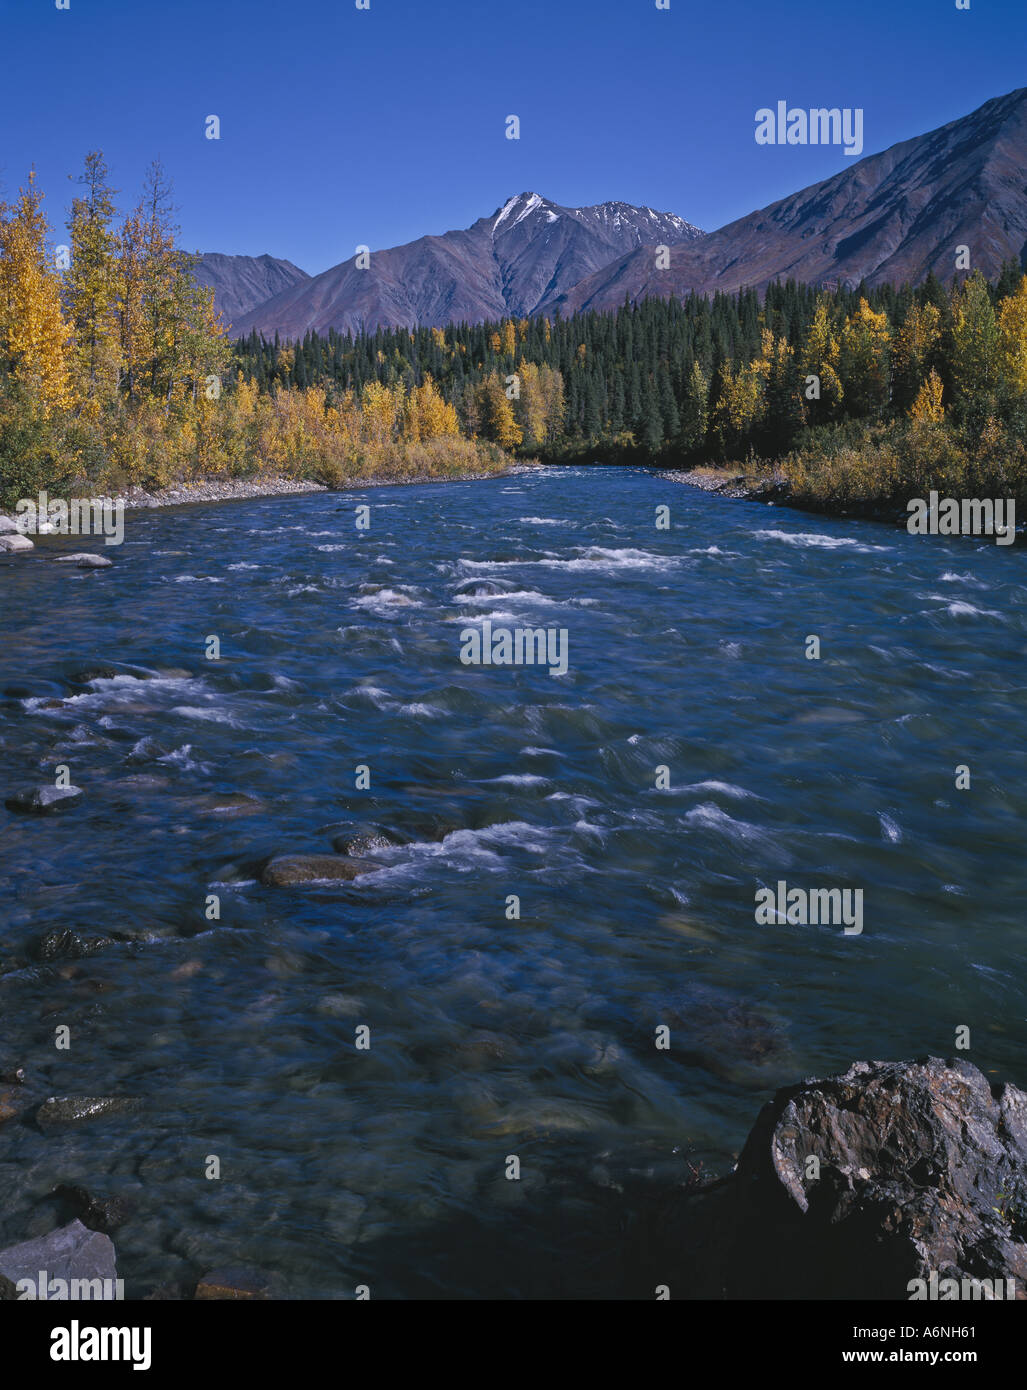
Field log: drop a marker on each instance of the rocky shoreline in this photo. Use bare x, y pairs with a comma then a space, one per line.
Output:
12, 541
900, 1181
774, 490
727, 483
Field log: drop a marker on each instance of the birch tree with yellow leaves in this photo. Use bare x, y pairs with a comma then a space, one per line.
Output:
35, 338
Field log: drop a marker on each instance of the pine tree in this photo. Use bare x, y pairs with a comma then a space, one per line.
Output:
92, 288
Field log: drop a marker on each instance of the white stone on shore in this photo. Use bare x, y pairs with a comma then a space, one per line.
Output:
7, 526
15, 542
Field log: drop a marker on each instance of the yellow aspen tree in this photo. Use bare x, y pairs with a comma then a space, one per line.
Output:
928, 404
379, 414
1012, 331
499, 422
864, 358
551, 386
411, 418
37, 339
820, 359
530, 407
435, 416
975, 353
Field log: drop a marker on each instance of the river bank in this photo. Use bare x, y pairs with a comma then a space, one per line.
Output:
208, 490
775, 490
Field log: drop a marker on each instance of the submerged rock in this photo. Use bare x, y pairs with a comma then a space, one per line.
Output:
229, 804
919, 1170
97, 1212
357, 846
289, 869
70, 1252
484, 1048
42, 801
100, 671
66, 943
727, 1034
235, 1284
11, 1103
70, 1110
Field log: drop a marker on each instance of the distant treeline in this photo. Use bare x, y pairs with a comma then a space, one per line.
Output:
934, 375
114, 368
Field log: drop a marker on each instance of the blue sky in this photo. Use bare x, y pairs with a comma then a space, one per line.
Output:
342, 127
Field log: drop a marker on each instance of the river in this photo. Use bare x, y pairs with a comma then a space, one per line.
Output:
488, 1036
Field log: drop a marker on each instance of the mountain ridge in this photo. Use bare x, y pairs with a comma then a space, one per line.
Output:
240, 283
895, 216
516, 261
892, 217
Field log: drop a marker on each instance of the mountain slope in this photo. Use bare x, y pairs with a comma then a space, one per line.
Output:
892, 217
518, 261
240, 283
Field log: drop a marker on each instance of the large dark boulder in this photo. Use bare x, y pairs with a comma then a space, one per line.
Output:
70, 1253
854, 1186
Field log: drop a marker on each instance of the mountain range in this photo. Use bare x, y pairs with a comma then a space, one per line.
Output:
240, 283
893, 216
518, 261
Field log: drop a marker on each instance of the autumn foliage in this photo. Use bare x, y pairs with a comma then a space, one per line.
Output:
115, 370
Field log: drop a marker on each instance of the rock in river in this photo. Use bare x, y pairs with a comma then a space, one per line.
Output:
67, 943
15, 543
11, 1103
289, 869
234, 1284
85, 560
70, 1110
358, 846
42, 801
70, 1252
97, 1212
920, 1171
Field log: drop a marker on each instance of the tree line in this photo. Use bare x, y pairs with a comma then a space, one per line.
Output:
114, 366
848, 394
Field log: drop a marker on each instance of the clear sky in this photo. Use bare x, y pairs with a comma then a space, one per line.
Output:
342, 127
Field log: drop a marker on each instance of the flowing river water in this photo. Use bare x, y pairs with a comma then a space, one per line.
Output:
489, 1036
